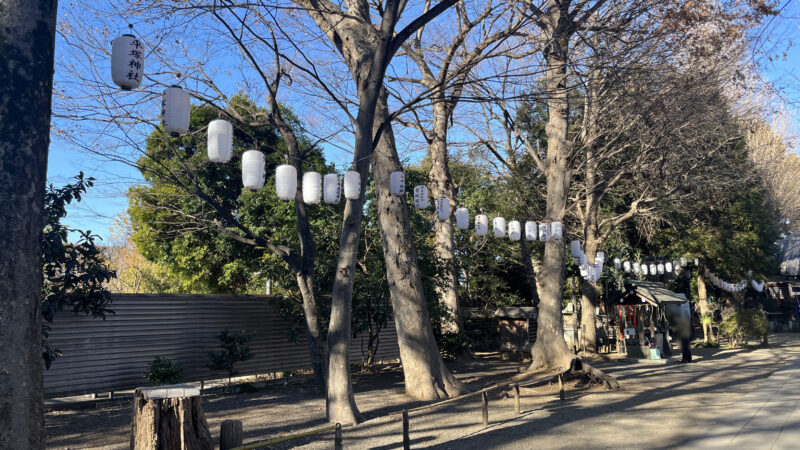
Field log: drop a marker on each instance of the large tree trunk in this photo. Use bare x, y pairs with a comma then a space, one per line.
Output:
589, 298
426, 376
442, 186
169, 418
27, 39
530, 275
550, 349
705, 309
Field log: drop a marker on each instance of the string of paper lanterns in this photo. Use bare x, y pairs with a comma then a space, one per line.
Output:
127, 72
732, 287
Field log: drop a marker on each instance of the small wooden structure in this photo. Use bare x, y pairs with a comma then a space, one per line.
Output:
169, 418
516, 327
643, 308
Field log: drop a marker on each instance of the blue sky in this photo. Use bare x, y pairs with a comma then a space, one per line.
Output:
107, 199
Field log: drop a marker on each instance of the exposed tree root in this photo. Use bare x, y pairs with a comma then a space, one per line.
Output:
575, 367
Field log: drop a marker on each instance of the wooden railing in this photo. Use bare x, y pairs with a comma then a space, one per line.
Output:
575, 365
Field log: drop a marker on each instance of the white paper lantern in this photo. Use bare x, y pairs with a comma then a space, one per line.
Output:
352, 185
331, 189
531, 231
660, 268
676, 265
443, 208
653, 269
514, 230
421, 197
499, 227
575, 248
175, 111
637, 268
253, 164
220, 141
584, 271
668, 267
462, 218
127, 62
617, 263
544, 231
696, 262
600, 256
583, 259
644, 269
285, 181
312, 188
683, 262
481, 225
397, 183
626, 265
556, 230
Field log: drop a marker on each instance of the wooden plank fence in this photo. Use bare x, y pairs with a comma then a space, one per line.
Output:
113, 354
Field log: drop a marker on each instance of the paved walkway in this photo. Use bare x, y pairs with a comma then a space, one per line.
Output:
766, 418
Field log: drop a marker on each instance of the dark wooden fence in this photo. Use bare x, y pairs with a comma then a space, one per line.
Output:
113, 354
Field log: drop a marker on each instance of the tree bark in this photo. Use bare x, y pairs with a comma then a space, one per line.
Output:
444, 247
589, 297
27, 40
550, 349
164, 421
426, 376
530, 275
705, 309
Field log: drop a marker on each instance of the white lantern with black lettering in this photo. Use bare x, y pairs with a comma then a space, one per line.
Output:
617, 263
668, 267
421, 197
127, 62
285, 182
499, 227
531, 231
253, 164
175, 111
544, 231
220, 141
653, 269
637, 268
331, 189
352, 185
600, 256
312, 188
661, 268
462, 218
644, 269
481, 225
514, 230
443, 208
556, 230
626, 265
397, 183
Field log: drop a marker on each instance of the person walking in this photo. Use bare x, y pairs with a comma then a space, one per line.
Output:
684, 332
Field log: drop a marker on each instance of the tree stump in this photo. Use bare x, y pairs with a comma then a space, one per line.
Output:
169, 418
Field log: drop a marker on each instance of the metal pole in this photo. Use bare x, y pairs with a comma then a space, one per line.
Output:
406, 439
337, 439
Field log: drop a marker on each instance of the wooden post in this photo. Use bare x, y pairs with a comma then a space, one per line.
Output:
485, 407
230, 434
337, 438
169, 418
516, 399
406, 439
560, 388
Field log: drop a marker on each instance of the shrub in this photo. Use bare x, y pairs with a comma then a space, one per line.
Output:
744, 325
164, 371
235, 347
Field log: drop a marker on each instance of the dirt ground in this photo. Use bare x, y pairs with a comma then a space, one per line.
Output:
660, 406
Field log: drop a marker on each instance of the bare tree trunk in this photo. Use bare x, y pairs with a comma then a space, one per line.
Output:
27, 40
550, 349
444, 247
589, 297
705, 309
426, 376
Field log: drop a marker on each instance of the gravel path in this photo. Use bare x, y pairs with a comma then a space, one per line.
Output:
661, 406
